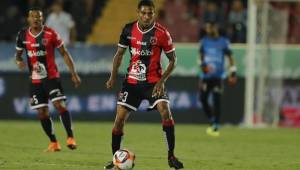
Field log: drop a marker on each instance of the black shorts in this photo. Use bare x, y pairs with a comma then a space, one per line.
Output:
40, 93
132, 95
211, 85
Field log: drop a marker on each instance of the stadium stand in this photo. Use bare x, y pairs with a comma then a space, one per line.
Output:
108, 26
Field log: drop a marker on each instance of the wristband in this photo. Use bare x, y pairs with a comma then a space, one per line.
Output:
232, 69
18, 62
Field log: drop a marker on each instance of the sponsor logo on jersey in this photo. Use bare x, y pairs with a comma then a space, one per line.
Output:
153, 40
36, 53
26, 42
135, 51
44, 41
38, 71
138, 71
35, 45
141, 42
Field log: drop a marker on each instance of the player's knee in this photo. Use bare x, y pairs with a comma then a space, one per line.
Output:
119, 123
60, 107
42, 113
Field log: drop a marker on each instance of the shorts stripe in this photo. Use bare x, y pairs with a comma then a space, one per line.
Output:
58, 98
157, 101
127, 105
39, 106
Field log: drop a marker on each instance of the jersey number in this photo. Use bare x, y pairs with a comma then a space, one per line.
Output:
124, 97
35, 100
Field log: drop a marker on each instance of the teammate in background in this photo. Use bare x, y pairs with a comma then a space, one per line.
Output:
145, 79
213, 49
39, 43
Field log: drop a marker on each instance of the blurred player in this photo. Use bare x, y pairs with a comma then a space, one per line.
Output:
145, 79
213, 49
39, 43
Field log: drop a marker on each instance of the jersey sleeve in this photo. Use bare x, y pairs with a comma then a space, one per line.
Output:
167, 43
227, 49
124, 41
19, 44
58, 42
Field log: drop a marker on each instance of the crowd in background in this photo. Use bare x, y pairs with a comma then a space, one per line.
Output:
13, 14
230, 16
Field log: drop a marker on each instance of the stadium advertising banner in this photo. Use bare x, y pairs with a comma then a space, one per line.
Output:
93, 101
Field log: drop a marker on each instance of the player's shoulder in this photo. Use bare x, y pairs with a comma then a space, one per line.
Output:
160, 28
224, 39
49, 30
204, 39
22, 30
129, 25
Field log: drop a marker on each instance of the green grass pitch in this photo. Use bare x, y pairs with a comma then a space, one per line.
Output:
22, 144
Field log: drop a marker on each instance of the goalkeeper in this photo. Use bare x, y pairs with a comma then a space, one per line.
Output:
213, 49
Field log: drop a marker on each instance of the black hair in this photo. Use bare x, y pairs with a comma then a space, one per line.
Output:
146, 3
35, 9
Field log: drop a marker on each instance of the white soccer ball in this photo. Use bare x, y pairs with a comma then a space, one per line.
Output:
123, 159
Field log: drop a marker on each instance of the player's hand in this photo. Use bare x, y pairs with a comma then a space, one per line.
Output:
110, 83
232, 80
21, 64
159, 89
76, 80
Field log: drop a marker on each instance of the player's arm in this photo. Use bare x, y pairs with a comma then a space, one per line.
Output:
19, 60
232, 68
204, 66
19, 51
159, 87
69, 61
117, 60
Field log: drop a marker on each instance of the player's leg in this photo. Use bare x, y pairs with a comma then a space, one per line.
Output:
66, 119
203, 97
39, 102
169, 132
217, 95
217, 89
129, 100
117, 131
57, 97
47, 124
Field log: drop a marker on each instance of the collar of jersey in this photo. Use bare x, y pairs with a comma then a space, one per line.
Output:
144, 32
36, 34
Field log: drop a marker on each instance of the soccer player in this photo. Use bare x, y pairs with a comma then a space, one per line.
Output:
39, 43
213, 49
145, 79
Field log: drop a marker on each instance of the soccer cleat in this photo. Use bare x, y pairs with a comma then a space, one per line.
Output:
71, 143
175, 163
53, 147
110, 165
212, 132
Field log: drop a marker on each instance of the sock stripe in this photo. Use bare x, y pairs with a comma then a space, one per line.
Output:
169, 122
117, 131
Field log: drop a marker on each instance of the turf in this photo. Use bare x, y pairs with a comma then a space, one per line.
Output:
22, 144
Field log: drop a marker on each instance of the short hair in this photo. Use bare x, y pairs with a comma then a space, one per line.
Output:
146, 3
35, 9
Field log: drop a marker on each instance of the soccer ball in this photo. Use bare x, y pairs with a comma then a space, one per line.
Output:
123, 159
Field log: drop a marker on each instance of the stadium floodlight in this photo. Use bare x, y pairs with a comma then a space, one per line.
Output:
264, 65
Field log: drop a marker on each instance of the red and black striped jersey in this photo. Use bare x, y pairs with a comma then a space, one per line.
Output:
145, 48
40, 50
